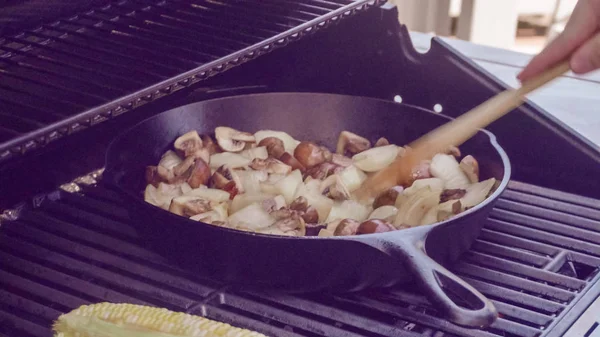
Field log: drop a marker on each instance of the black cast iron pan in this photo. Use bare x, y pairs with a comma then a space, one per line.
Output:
309, 264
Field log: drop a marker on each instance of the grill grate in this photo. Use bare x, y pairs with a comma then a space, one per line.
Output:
67, 75
538, 254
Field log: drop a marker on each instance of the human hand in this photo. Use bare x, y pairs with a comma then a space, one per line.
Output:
580, 42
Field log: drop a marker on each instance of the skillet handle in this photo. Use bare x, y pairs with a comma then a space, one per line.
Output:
437, 282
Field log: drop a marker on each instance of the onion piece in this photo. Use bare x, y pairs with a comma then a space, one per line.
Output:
436, 184
218, 213
251, 180
287, 186
242, 200
375, 159
211, 194
170, 159
477, 193
252, 217
352, 177
229, 159
441, 212
386, 212
445, 167
289, 143
416, 206
348, 209
325, 232
256, 152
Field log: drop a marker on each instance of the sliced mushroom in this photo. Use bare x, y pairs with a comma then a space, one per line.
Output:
224, 177
309, 154
184, 167
200, 174
323, 170
232, 140
381, 142
189, 206
290, 160
210, 145
188, 143
307, 212
388, 198
470, 167
271, 166
351, 143
274, 203
274, 146
374, 226
346, 227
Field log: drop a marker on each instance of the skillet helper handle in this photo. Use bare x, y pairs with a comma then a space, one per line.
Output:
437, 282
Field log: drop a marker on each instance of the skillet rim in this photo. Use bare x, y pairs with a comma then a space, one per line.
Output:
492, 139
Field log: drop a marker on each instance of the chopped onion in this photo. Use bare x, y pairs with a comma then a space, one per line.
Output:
348, 209
352, 177
242, 200
186, 188
288, 185
416, 206
443, 210
289, 143
230, 159
376, 158
218, 213
476, 193
436, 184
445, 167
387, 212
257, 152
210, 194
251, 180
170, 159
252, 217
325, 232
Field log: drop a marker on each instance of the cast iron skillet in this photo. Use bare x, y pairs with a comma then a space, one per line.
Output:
309, 264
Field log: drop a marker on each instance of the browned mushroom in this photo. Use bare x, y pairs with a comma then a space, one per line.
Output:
210, 145
189, 206
232, 140
453, 194
274, 146
309, 154
470, 167
374, 226
307, 212
200, 174
270, 165
226, 179
188, 143
290, 160
323, 170
351, 143
388, 197
346, 227
381, 142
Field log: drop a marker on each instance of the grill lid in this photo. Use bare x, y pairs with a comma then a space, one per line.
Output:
537, 260
78, 71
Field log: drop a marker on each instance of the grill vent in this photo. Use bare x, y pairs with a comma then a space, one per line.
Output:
78, 249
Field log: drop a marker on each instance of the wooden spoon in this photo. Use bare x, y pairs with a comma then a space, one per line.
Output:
453, 133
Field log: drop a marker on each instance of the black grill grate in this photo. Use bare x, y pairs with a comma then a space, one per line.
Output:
67, 75
538, 254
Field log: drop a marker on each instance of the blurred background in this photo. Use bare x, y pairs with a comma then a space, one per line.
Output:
524, 26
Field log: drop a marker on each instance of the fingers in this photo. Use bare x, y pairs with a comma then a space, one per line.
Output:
583, 24
587, 57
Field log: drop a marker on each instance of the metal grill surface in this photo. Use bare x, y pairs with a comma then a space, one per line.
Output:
70, 74
537, 256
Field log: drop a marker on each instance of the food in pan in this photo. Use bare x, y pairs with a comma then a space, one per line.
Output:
270, 183
130, 320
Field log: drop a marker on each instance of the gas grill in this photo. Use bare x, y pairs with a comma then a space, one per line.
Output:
74, 75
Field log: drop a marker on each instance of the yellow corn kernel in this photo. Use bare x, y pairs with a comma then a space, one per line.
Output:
130, 320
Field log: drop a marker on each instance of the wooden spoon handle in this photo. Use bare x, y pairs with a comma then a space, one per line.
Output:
465, 126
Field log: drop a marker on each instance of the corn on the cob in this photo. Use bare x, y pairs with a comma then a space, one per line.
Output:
130, 320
